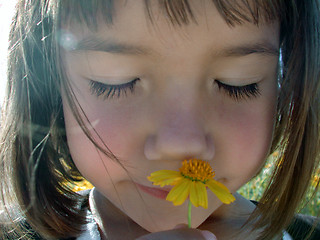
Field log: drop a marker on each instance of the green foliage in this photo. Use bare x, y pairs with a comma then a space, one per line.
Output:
254, 189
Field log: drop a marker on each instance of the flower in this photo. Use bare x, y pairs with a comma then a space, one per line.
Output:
192, 179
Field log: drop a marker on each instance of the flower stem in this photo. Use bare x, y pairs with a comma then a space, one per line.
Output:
189, 214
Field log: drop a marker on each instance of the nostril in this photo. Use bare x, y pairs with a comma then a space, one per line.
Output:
150, 151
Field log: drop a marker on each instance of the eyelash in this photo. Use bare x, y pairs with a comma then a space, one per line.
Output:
239, 93
110, 91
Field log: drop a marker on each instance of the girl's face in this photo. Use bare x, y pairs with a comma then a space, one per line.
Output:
157, 94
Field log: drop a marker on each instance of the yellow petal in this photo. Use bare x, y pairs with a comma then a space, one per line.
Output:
180, 192
203, 198
198, 194
164, 177
221, 191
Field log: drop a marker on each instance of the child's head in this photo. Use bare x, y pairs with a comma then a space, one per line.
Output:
197, 90
114, 90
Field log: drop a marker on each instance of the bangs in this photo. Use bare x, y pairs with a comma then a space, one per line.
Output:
178, 12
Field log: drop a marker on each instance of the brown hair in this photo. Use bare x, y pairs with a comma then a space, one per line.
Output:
35, 159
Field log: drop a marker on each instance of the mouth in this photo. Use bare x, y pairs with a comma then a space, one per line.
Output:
156, 192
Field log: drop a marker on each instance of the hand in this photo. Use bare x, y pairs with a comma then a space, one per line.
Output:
180, 232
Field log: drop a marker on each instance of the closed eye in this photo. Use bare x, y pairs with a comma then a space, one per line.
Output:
107, 91
239, 93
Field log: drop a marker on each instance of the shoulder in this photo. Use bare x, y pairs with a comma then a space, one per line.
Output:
85, 205
85, 193
302, 226
17, 227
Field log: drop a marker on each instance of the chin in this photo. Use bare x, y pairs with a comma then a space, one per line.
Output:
164, 218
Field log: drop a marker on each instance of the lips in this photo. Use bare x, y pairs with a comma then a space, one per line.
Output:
156, 192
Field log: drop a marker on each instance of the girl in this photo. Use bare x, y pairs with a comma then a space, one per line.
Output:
114, 90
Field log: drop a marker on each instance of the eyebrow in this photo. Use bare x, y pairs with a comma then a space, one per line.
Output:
264, 48
109, 46
113, 47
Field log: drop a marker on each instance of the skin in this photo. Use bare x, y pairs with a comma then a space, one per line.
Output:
176, 111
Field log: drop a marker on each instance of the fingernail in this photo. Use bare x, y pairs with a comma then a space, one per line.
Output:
208, 235
182, 225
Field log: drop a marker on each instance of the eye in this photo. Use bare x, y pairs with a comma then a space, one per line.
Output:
239, 93
107, 91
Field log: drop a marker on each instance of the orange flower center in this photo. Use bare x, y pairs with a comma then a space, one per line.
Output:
196, 170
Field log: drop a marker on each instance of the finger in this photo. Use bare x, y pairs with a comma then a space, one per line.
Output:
181, 225
180, 234
208, 235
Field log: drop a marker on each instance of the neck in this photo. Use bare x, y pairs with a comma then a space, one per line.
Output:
111, 220
231, 221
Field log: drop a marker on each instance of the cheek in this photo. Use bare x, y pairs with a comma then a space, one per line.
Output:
114, 128
243, 142
121, 129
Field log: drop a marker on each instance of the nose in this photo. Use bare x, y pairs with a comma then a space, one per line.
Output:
180, 135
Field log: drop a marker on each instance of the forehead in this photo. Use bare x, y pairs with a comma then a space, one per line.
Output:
178, 12
137, 24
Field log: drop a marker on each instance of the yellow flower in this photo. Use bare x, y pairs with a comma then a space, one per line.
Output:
193, 179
